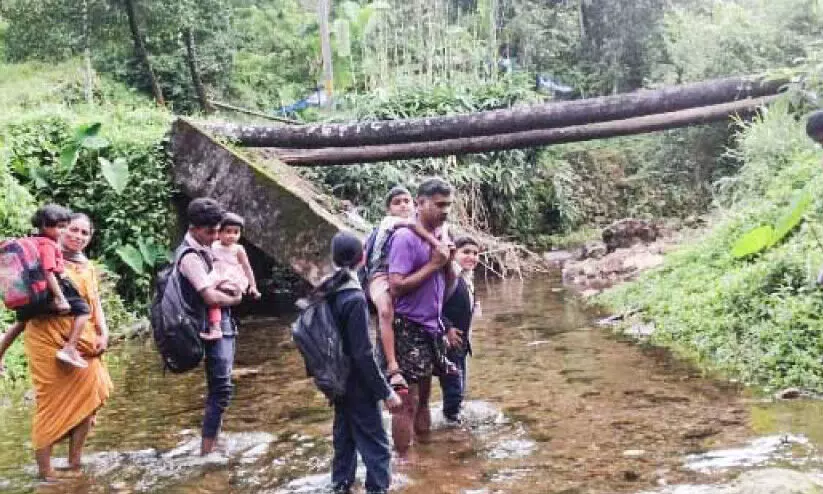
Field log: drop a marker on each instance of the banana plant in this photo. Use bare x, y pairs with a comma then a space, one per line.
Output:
766, 236
143, 257
85, 137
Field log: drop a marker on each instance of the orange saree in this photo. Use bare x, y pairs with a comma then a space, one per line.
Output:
65, 395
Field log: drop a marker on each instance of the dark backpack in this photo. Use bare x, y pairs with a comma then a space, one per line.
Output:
316, 332
364, 272
22, 281
176, 322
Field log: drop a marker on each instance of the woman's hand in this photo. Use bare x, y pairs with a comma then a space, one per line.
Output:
102, 342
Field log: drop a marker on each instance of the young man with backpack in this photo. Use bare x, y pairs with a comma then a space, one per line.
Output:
358, 425
199, 291
417, 281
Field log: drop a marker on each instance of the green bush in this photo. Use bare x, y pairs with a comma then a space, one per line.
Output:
759, 319
41, 113
16, 208
131, 130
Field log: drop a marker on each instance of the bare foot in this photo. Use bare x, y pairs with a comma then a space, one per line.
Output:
68, 473
406, 460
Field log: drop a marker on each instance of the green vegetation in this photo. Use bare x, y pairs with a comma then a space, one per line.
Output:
39, 134
759, 318
43, 111
78, 127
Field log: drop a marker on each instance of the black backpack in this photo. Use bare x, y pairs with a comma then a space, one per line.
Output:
316, 333
176, 322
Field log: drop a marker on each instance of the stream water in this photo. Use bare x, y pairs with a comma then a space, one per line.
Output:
556, 405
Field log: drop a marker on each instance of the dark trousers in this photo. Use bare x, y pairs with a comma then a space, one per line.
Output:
219, 363
454, 386
358, 428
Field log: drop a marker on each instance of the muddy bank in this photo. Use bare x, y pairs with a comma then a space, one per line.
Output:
625, 249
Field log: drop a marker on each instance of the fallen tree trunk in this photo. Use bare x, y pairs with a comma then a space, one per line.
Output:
526, 118
532, 138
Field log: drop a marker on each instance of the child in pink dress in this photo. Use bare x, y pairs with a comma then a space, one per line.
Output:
232, 269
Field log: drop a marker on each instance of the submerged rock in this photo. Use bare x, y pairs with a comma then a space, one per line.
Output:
321, 482
627, 232
758, 452
512, 449
150, 470
557, 258
765, 481
790, 394
776, 481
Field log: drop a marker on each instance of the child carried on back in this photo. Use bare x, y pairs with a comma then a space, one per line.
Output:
232, 270
400, 213
63, 298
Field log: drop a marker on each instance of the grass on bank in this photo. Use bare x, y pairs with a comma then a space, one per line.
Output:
41, 105
758, 319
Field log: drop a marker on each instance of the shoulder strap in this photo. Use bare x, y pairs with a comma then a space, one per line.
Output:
186, 249
352, 284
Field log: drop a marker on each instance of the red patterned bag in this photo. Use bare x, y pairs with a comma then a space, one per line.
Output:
22, 281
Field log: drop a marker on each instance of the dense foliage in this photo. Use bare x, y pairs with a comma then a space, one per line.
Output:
759, 317
35, 138
40, 120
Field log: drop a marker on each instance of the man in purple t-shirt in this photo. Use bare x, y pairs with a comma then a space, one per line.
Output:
417, 281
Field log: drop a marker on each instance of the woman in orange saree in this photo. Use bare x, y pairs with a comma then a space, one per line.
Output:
67, 397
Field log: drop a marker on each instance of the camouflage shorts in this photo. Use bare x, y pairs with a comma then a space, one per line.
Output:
419, 353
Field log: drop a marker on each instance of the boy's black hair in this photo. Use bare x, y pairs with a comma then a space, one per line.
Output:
346, 250
465, 240
434, 186
397, 190
814, 126
232, 219
204, 211
50, 215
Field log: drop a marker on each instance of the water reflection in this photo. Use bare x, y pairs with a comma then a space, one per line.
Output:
556, 406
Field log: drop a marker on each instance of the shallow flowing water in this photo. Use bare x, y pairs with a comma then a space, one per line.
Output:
556, 405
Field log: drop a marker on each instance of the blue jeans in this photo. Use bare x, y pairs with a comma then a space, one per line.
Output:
219, 363
454, 387
358, 428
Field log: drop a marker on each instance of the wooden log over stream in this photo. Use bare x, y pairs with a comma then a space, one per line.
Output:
532, 138
507, 121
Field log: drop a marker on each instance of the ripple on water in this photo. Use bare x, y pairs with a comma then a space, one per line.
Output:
760, 451
321, 483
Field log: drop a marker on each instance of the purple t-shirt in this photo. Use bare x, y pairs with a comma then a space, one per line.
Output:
407, 254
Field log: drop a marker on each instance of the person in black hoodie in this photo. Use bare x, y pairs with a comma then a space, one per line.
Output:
358, 424
458, 312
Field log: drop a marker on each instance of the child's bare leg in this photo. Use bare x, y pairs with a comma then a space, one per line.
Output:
69, 353
61, 305
385, 311
385, 318
8, 338
215, 331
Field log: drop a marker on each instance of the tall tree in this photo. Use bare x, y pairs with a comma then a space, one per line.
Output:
323, 12
142, 54
89, 79
191, 59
